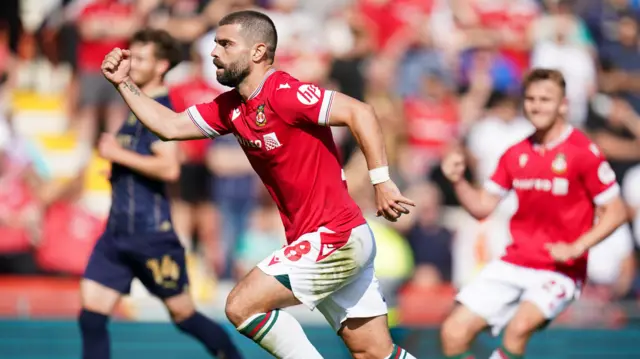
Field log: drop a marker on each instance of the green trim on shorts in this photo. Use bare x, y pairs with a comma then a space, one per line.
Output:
284, 280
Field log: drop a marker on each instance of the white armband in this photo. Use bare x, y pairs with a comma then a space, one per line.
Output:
379, 175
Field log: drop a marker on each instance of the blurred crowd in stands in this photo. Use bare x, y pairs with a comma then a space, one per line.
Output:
440, 74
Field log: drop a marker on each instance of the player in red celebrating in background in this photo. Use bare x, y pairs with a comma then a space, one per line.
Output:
283, 127
560, 177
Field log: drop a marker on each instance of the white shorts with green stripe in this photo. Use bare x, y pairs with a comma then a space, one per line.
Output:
331, 271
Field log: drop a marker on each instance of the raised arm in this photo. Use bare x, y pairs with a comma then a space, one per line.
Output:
165, 123
479, 202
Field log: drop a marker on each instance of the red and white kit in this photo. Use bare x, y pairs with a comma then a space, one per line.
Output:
558, 188
283, 129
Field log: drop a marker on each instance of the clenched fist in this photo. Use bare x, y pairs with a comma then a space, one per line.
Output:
453, 166
116, 66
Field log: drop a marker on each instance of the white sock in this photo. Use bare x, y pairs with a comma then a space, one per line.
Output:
399, 353
279, 333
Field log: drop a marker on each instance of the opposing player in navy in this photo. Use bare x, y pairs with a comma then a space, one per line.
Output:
139, 240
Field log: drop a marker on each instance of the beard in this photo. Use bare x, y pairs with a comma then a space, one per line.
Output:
232, 74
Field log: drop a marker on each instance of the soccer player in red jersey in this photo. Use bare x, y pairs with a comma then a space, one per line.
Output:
560, 177
283, 127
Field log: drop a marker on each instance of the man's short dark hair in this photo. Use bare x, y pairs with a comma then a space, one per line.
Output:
256, 27
165, 46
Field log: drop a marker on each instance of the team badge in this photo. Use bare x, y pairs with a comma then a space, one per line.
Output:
261, 119
131, 120
559, 164
522, 160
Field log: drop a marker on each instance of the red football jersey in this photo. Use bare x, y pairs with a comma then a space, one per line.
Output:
283, 129
91, 53
558, 187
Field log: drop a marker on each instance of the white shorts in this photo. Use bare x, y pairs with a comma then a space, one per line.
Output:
500, 287
341, 282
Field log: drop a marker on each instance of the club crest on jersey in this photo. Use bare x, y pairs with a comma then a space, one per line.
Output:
261, 118
559, 164
522, 160
131, 120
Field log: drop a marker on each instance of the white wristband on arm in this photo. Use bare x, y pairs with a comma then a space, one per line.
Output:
379, 175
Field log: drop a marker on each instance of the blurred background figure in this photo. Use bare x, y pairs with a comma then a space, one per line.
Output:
440, 74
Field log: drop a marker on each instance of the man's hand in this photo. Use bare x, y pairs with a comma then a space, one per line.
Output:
563, 252
116, 66
108, 146
389, 201
453, 166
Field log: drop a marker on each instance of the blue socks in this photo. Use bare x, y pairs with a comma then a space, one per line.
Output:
214, 338
96, 344
95, 336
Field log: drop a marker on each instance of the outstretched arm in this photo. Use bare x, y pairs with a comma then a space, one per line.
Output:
162, 121
363, 123
165, 123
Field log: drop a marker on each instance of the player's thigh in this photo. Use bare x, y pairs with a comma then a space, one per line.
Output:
257, 292
358, 300
314, 267
98, 298
527, 319
358, 312
461, 327
493, 295
106, 277
180, 306
367, 337
160, 263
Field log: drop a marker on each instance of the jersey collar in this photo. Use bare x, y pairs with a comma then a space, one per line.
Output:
256, 92
555, 143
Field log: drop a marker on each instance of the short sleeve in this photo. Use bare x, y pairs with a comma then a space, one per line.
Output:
598, 177
211, 117
298, 103
500, 182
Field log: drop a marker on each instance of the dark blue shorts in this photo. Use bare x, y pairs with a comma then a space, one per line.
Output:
157, 259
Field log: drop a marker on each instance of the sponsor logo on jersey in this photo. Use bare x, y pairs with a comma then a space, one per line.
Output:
283, 86
261, 118
249, 143
271, 141
559, 164
308, 94
557, 186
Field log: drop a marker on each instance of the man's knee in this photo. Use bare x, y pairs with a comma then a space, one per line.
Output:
180, 307
528, 319
460, 328
373, 352
97, 297
236, 310
257, 293
367, 338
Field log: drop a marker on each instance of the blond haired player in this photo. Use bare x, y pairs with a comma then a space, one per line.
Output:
559, 177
